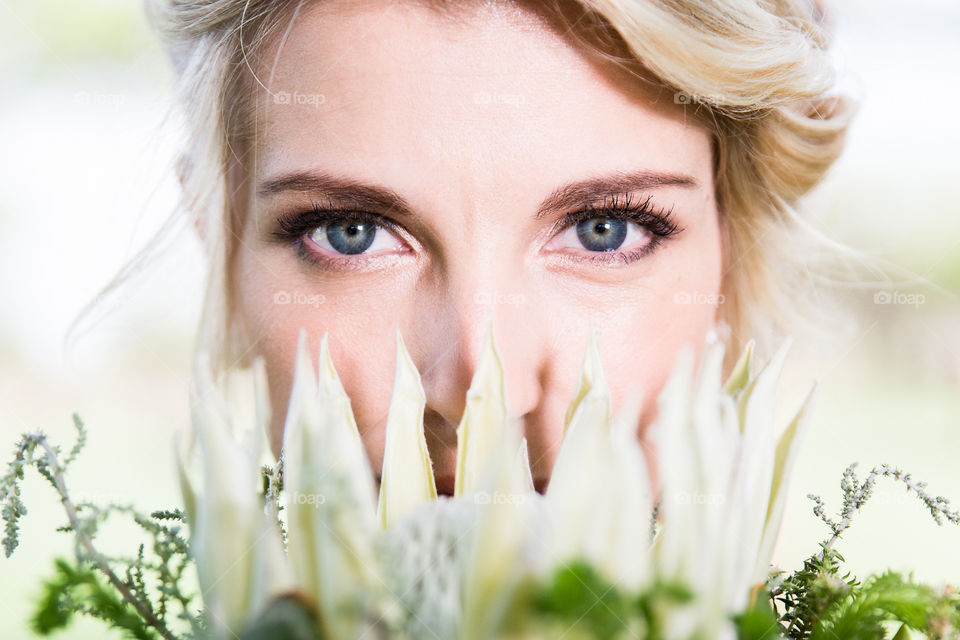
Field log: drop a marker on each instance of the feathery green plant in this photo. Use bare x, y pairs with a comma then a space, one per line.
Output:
144, 594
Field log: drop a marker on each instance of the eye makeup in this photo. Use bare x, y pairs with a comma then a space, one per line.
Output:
296, 228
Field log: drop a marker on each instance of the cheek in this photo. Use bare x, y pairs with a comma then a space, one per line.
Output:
275, 298
678, 306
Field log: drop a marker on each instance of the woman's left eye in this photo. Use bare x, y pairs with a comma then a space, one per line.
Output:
603, 233
613, 234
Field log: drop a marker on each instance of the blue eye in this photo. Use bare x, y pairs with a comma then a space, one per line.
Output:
348, 240
601, 233
605, 233
621, 231
348, 233
347, 236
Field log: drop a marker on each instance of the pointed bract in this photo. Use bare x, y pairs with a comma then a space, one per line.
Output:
406, 479
239, 559
330, 505
484, 418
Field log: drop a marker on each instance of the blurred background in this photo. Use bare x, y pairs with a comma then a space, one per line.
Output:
85, 182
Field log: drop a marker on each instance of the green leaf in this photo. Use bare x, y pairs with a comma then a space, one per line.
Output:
72, 589
759, 622
579, 596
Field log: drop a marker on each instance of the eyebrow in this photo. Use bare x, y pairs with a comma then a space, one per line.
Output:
591, 190
370, 196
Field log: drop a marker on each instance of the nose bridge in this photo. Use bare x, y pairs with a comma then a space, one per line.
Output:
477, 290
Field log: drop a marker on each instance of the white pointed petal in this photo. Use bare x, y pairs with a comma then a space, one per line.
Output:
261, 391
591, 374
787, 449
224, 538
741, 371
584, 495
621, 517
270, 564
339, 420
496, 563
484, 419
755, 467
671, 436
188, 484
588, 429
523, 462
276, 575
406, 479
330, 503
329, 384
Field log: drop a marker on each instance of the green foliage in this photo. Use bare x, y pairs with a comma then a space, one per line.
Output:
579, 600
820, 603
759, 622
32, 450
884, 597
72, 590
579, 597
144, 594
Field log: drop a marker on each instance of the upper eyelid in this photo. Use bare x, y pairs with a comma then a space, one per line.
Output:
606, 205
610, 206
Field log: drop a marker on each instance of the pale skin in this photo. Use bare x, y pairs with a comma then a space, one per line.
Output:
473, 125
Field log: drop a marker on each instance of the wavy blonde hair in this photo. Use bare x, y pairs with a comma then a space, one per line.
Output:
755, 72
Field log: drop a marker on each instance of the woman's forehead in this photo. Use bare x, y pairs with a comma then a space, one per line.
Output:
374, 90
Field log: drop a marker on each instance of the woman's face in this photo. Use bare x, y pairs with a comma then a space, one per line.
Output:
458, 151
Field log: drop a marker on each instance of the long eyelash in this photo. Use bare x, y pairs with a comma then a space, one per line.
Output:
292, 226
660, 222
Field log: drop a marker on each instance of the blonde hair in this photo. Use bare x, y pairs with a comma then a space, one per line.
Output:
755, 72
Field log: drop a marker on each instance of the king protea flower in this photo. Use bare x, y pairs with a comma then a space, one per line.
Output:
408, 563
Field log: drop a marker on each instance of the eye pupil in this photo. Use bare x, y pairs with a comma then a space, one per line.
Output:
602, 233
351, 237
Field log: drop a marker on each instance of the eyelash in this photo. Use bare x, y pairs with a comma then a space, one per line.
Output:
658, 222
293, 227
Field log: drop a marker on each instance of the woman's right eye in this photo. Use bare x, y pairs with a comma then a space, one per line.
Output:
339, 239
352, 235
